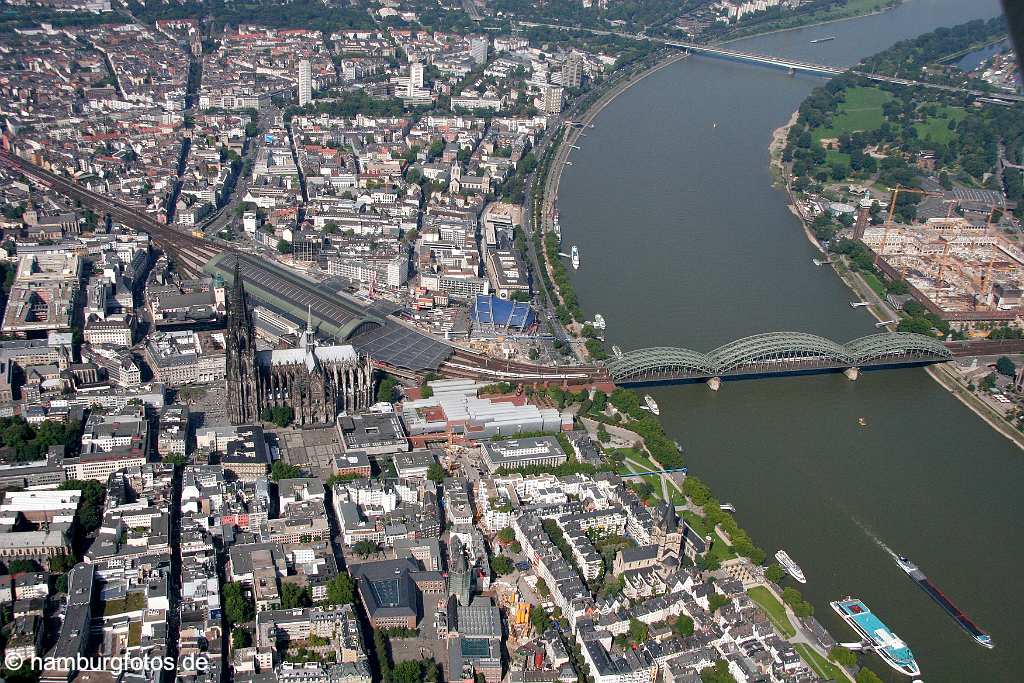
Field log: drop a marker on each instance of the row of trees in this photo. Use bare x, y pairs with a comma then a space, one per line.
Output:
32, 443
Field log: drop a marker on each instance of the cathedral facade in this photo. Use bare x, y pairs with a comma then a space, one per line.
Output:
317, 382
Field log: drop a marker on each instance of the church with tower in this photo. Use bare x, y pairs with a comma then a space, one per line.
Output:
316, 381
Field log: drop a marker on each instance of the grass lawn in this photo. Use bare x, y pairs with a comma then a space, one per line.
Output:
874, 283
774, 609
937, 127
834, 156
862, 110
718, 547
643, 460
821, 666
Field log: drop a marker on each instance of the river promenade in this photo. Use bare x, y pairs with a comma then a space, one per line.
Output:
685, 242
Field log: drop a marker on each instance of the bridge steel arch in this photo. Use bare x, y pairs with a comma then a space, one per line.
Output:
651, 363
897, 347
775, 351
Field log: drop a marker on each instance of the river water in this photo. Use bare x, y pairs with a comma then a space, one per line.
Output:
685, 243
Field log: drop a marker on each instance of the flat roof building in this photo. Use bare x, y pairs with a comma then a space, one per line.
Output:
372, 433
519, 453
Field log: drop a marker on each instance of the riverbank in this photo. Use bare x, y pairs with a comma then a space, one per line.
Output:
553, 177
573, 133
879, 309
671, 490
779, 137
813, 24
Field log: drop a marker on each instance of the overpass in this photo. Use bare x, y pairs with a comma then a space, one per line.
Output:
774, 354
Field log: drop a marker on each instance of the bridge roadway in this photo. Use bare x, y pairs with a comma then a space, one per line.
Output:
827, 70
786, 63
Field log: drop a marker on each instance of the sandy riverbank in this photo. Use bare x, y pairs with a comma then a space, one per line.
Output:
778, 143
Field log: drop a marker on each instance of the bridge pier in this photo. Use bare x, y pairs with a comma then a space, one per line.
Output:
714, 383
852, 373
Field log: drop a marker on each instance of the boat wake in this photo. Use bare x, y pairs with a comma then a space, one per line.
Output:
874, 537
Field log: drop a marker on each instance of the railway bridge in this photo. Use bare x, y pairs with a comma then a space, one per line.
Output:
399, 348
774, 354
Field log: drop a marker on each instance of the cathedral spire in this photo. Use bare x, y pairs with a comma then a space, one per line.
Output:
310, 340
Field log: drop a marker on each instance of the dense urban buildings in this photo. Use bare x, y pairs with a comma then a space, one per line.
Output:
294, 385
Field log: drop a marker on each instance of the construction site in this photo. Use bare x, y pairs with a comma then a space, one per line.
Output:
961, 266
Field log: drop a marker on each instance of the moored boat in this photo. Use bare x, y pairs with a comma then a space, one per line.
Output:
651, 404
876, 635
790, 567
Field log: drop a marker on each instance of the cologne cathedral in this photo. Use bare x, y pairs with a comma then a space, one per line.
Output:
317, 381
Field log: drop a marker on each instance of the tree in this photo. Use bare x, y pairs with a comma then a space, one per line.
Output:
866, 675
1006, 367
21, 566
683, 626
638, 631
507, 535
774, 573
386, 390
602, 433
431, 671
176, 459
90, 509
240, 638
539, 619
435, 472
719, 673
284, 246
843, 657
61, 564
501, 565
282, 470
717, 600
364, 548
238, 609
282, 416
341, 590
293, 595
408, 671
801, 607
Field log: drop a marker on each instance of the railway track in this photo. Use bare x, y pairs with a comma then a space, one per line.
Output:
189, 253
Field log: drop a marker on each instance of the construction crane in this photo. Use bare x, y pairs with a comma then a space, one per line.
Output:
892, 209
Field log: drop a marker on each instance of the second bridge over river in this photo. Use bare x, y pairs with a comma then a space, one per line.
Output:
776, 353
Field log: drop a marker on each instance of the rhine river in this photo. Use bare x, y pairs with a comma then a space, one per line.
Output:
684, 242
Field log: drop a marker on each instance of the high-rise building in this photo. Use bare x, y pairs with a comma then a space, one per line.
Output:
572, 71
478, 49
552, 100
305, 82
416, 75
